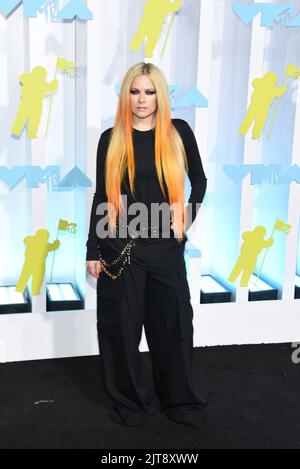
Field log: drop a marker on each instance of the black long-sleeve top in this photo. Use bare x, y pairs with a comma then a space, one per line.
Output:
146, 184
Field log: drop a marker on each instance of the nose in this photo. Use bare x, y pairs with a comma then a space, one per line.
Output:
141, 98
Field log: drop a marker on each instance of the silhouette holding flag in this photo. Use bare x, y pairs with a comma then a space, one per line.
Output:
34, 89
253, 243
265, 91
37, 249
150, 27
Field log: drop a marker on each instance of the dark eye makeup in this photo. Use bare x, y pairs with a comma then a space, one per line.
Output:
150, 92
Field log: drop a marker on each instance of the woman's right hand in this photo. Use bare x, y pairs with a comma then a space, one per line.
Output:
94, 268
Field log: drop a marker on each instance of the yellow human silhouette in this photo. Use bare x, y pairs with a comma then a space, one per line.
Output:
33, 92
35, 260
155, 12
265, 91
253, 243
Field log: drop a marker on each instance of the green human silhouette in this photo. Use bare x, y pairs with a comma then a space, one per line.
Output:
155, 12
33, 92
265, 91
35, 260
253, 243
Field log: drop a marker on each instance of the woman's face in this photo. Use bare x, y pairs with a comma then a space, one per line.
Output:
143, 97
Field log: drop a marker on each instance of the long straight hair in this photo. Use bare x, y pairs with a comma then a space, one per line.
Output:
170, 156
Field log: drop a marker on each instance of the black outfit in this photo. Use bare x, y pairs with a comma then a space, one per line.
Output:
153, 290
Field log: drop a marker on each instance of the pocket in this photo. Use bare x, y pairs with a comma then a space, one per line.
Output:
110, 307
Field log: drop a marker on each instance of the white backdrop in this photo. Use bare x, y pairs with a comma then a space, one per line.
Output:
209, 47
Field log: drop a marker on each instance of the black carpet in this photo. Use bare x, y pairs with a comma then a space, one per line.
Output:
253, 395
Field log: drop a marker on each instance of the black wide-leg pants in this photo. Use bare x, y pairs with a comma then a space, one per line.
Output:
152, 290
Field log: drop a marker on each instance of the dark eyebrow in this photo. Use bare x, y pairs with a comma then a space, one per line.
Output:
148, 89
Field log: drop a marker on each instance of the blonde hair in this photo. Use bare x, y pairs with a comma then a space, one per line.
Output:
170, 156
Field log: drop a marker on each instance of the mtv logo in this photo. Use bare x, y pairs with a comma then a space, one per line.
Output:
261, 174
271, 13
75, 8
35, 175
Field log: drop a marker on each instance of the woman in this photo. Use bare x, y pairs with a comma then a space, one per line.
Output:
141, 271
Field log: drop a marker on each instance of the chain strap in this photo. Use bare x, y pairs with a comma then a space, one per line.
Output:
123, 257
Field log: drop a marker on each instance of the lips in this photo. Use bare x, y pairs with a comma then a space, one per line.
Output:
142, 108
